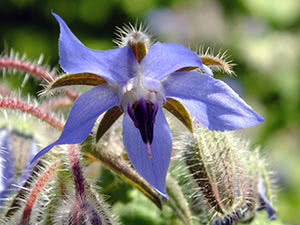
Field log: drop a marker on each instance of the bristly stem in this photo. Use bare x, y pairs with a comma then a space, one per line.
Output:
22, 194
36, 190
34, 70
27, 67
32, 110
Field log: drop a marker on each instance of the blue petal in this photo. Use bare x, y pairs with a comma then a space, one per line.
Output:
84, 113
10, 179
164, 59
32, 151
113, 65
211, 101
6, 165
154, 169
265, 204
6, 160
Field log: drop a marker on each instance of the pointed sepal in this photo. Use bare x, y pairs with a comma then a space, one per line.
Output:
109, 118
76, 79
180, 112
137, 38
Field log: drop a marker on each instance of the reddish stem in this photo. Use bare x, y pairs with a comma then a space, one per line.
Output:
35, 111
35, 192
26, 67
33, 69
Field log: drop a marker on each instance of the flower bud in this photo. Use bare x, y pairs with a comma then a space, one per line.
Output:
225, 177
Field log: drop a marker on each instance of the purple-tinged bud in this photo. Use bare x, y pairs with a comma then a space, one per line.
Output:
86, 207
90, 210
77, 173
6, 165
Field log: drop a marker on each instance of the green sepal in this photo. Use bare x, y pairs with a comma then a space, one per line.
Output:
108, 120
139, 50
187, 69
179, 111
220, 62
210, 61
77, 79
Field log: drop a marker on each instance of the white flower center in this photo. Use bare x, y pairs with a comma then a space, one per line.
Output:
140, 87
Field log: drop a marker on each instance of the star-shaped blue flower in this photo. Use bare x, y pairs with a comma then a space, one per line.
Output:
141, 88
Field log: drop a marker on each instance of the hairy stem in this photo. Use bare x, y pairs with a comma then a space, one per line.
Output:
36, 190
27, 67
32, 110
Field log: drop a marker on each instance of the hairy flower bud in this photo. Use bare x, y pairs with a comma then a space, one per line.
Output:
225, 175
84, 206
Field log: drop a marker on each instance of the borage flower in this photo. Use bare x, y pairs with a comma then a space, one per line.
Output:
138, 81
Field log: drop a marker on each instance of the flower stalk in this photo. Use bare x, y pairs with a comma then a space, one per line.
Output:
36, 190
32, 110
25, 66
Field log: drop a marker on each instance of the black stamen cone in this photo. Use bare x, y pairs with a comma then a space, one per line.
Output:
143, 115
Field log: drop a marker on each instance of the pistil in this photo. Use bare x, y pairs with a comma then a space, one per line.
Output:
149, 150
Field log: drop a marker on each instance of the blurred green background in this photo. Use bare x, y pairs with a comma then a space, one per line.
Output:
261, 36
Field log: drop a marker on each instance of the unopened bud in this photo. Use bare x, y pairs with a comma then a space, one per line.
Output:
226, 175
